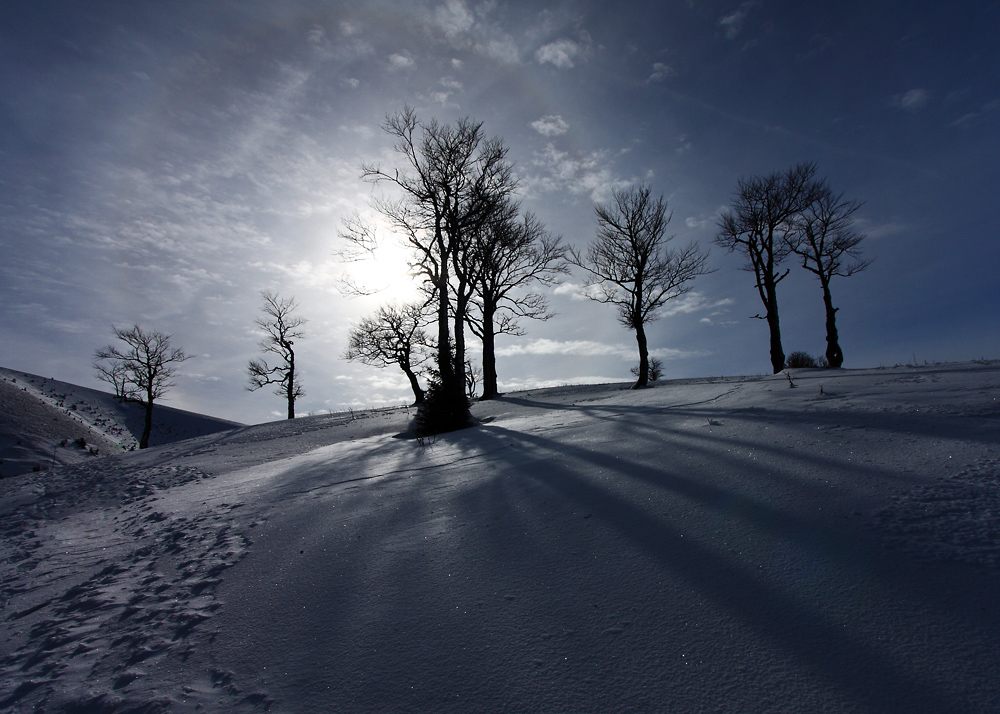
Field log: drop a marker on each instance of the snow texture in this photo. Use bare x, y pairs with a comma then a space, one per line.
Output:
716, 545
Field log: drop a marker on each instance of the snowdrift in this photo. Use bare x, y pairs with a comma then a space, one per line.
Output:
727, 545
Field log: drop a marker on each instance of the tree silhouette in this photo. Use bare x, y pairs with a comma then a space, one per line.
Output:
281, 329
142, 369
828, 245
763, 218
632, 264
511, 253
392, 336
451, 181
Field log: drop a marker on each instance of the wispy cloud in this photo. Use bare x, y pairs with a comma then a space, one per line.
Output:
911, 101
591, 174
661, 72
550, 125
588, 348
971, 119
733, 22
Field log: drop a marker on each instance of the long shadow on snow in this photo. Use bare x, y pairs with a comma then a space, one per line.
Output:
811, 637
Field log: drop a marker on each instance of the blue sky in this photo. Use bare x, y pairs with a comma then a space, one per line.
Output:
162, 163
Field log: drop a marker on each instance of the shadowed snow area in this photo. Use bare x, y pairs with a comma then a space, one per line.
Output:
45, 422
727, 545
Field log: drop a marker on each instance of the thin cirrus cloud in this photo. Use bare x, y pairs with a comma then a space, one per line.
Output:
911, 101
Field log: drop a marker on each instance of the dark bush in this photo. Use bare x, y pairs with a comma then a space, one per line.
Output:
655, 369
441, 412
798, 360
81, 442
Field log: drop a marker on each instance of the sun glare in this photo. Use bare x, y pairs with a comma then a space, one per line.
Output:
387, 273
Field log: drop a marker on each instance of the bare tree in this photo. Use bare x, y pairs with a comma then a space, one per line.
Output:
142, 369
632, 264
763, 218
281, 329
828, 245
116, 374
452, 180
394, 335
510, 253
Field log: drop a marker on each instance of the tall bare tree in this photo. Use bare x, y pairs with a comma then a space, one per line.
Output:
511, 254
394, 335
760, 224
142, 368
281, 329
452, 179
634, 267
828, 245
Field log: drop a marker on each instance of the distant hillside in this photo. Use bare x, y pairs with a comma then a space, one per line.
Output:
45, 422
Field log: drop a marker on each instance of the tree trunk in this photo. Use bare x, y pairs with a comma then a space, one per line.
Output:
777, 353
640, 337
461, 305
290, 385
418, 393
834, 355
148, 426
490, 388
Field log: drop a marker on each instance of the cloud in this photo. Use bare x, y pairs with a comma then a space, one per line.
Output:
550, 125
560, 53
733, 22
590, 174
525, 384
661, 72
577, 291
454, 18
581, 348
911, 101
588, 348
316, 36
969, 120
400, 62
502, 49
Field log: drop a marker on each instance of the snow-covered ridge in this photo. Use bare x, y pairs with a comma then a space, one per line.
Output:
46, 422
706, 545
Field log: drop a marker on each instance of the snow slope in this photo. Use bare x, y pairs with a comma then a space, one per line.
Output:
703, 546
41, 420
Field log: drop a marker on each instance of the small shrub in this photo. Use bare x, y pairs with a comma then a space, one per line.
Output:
81, 442
440, 412
655, 369
799, 360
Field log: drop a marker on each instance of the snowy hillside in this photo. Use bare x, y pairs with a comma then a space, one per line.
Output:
734, 545
45, 422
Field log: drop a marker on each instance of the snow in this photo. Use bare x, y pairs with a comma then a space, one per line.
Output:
723, 545
44, 422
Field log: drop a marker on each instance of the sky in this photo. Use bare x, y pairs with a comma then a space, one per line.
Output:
162, 163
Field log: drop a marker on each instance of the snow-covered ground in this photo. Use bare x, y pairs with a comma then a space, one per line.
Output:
716, 545
45, 422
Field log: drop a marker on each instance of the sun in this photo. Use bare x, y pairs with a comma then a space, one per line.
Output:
386, 272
